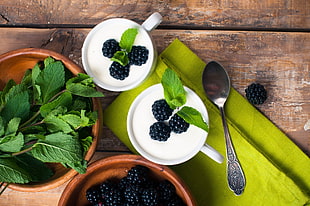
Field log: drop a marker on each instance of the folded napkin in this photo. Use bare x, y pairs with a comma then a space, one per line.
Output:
277, 172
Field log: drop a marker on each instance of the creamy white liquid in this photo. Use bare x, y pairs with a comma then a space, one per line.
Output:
179, 147
97, 66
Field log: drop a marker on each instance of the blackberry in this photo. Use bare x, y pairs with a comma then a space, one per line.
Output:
138, 175
150, 197
106, 187
117, 71
160, 131
113, 197
256, 93
109, 48
93, 195
138, 55
161, 110
175, 200
166, 190
178, 124
132, 195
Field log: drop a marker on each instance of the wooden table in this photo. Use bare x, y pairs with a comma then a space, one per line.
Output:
265, 41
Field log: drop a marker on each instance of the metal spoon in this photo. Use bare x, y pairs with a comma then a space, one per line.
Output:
216, 83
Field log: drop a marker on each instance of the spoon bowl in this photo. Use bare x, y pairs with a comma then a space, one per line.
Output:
216, 84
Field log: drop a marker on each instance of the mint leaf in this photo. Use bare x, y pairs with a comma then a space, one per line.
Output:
128, 38
12, 126
12, 143
80, 166
37, 170
174, 91
82, 85
16, 106
11, 83
56, 124
1, 126
64, 100
10, 171
51, 79
48, 61
120, 57
58, 147
192, 116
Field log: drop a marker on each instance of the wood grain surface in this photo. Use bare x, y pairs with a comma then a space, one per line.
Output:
263, 14
265, 41
278, 60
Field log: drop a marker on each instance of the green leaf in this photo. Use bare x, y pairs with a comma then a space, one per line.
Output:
58, 147
80, 166
1, 127
82, 90
64, 100
49, 60
128, 38
11, 172
12, 126
16, 106
36, 168
12, 143
56, 124
121, 58
51, 79
192, 116
11, 83
174, 91
82, 85
86, 143
76, 121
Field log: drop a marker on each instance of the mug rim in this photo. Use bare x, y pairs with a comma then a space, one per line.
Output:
147, 155
148, 70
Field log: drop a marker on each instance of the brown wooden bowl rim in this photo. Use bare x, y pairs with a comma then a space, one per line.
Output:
127, 158
96, 129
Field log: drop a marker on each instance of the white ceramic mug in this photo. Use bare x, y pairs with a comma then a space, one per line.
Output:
97, 66
179, 147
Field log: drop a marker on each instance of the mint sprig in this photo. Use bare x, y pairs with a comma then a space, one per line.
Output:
126, 43
175, 96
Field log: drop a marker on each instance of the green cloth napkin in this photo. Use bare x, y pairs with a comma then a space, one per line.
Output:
277, 172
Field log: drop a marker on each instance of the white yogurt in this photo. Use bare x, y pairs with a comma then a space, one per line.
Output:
179, 147
97, 66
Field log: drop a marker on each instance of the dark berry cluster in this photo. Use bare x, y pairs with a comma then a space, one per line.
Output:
256, 93
118, 71
137, 56
162, 129
161, 110
137, 188
109, 48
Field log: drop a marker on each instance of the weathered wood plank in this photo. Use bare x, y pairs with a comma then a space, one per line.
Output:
286, 14
280, 61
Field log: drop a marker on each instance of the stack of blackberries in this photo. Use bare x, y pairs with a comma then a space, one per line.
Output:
138, 188
162, 129
137, 56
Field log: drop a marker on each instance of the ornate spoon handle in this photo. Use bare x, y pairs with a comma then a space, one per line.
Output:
235, 176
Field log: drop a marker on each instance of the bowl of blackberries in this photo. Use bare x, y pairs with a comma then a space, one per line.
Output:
126, 180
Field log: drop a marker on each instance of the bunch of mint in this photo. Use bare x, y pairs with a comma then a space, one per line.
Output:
45, 118
175, 96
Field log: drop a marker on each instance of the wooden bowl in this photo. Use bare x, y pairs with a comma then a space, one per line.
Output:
117, 167
13, 66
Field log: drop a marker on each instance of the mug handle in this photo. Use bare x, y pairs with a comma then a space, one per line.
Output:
212, 153
152, 21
